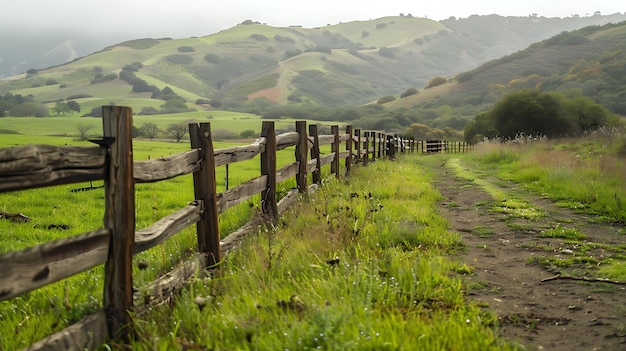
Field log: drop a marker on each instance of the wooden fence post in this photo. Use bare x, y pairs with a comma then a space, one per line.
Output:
334, 167
349, 149
366, 146
268, 168
315, 154
302, 149
373, 134
119, 218
204, 188
357, 133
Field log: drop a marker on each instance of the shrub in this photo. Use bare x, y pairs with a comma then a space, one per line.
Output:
409, 92
386, 99
99, 78
247, 134
258, 37
51, 82
212, 58
386, 52
186, 48
294, 98
436, 81
381, 25
203, 102
282, 39
133, 67
78, 96
179, 59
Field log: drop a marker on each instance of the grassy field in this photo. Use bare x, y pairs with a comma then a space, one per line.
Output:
361, 266
337, 272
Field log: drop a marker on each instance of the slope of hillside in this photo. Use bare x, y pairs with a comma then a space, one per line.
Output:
346, 64
590, 62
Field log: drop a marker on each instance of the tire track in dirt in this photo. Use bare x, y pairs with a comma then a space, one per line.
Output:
553, 315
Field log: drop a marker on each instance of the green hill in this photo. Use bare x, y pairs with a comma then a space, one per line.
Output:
590, 62
253, 64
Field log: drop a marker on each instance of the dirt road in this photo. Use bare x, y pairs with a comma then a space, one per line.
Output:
511, 258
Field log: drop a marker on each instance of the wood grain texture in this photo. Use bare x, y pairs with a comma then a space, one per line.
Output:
40, 265
35, 166
167, 167
287, 171
239, 153
241, 193
167, 226
87, 334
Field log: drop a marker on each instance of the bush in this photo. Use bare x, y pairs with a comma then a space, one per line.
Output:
99, 78
78, 96
381, 25
51, 82
212, 58
292, 53
409, 92
179, 59
282, 39
386, 99
203, 102
186, 48
387, 52
133, 67
247, 134
258, 37
436, 81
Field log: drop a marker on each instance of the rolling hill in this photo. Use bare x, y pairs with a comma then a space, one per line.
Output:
588, 62
349, 63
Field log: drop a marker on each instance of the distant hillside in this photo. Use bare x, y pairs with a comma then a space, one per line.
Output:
254, 64
589, 62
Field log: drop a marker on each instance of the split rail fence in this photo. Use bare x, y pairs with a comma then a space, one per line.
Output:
36, 166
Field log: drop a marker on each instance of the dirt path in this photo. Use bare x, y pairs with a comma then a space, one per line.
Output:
505, 250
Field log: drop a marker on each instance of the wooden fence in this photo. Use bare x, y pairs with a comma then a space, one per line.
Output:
444, 146
114, 245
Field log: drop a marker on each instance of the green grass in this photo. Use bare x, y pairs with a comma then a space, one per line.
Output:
563, 232
347, 270
39, 313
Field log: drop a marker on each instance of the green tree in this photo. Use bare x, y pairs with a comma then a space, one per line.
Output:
418, 131
73, 106
60, 108
149, 129
436, 81
177, 130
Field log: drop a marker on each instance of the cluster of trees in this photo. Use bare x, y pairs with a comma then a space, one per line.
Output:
531, 112
21, 106
62, 108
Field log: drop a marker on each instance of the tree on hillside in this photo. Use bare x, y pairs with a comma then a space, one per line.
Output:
436, 81
418, 131
73, 106
61, 108
177, 130
530, 112
149, 129
83, 129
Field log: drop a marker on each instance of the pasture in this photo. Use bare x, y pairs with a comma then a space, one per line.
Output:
367, 262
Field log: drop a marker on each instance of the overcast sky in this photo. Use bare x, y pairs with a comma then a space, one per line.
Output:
129, 19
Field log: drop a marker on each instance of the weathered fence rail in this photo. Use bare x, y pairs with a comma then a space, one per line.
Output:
35, 166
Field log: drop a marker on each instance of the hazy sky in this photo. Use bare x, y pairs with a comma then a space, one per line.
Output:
130, 19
